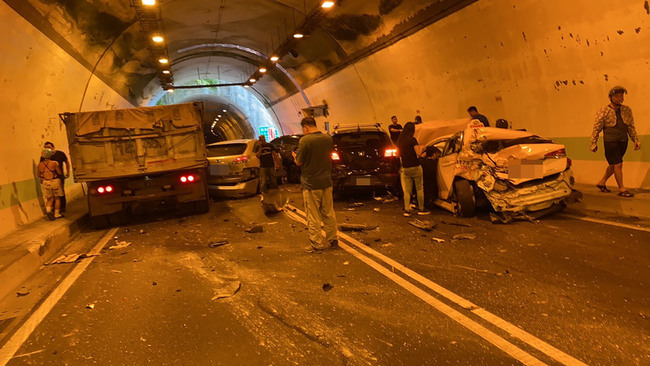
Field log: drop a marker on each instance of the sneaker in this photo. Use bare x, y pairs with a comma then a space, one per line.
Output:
407, 213
50, 216
313, 250
423, 212
334, 244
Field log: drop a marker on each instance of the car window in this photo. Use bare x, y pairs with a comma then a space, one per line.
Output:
373, 139
492, 146
226, 150
454, 144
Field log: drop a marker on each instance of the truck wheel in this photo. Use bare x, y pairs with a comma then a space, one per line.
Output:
466, 202
99, 221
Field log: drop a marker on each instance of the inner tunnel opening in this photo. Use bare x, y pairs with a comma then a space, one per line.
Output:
229, 113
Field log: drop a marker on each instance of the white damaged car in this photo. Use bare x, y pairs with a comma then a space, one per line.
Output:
520, 174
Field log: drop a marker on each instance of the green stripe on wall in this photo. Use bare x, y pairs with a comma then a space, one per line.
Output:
577, 148
13, 193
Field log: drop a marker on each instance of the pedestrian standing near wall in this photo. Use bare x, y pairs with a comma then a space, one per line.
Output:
266, 154
394, 129
314, 158
473, 112
617, 123
49, 172
411, 172
62, 159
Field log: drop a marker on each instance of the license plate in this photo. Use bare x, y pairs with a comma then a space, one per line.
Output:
219, 169
525, 169
363, 181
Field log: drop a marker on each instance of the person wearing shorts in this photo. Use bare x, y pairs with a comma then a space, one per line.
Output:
49, 172
617, 124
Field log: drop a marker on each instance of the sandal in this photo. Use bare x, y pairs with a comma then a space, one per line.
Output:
626, 194
603, 188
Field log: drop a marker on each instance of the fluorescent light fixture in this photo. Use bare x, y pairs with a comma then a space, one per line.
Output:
157, 39
148, 2
252, 80
163, 61
274, 58
298, 35
167, 72
262, 69
327, 4
246, 86
224, 111
219, 115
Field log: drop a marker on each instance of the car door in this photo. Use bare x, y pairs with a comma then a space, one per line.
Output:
447, 165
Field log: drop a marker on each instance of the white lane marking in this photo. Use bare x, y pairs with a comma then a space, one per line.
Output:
484, 314
607, 222
11, 347
509, 348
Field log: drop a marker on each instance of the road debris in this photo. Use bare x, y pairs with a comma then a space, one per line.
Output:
425, 225
255, 228
218, 243
90, 306
376, 209
142, 231
438, 240
227, 290
386, 199
356, 227
465, 236
120, 245
22, 293
387, 245
356, 204
456, 223
116, 271
70, 258
327, 287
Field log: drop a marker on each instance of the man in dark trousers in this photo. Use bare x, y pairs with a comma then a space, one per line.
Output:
267, 165
314, 158
473, 112
394, 129
62, 159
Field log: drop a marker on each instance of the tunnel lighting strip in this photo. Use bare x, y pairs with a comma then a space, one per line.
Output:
484, 333
253, 52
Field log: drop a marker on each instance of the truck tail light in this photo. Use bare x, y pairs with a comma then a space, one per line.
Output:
390, 153
187, 178
104, 189
335, 156
556, 154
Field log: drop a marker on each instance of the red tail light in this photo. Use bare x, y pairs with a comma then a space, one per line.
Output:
556, 154
187, 178
240, 160
335, 156
104, 189
390, 153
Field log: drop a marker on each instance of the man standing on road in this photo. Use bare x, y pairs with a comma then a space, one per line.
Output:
62, 159
617, 123
267, 165
49, 172
394, 129
314, 158
473, 112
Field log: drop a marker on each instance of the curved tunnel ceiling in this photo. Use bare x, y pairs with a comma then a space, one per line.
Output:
106, 37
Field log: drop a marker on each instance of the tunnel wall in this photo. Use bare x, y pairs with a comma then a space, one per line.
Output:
543, 66
39, 81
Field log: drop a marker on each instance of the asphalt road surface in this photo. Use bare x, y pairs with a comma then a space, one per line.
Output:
200, 290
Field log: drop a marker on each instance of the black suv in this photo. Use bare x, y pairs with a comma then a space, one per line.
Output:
285, 145
364, 157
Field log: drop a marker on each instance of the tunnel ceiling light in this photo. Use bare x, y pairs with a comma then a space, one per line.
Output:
163, 61
246, 86
298, 35
275, 58
224, 111
166, 72
149, 2
219, 116
157, 39
170, 90
327, 4
262, 70
252, 80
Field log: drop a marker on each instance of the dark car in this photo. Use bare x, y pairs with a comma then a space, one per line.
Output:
285, 145
364, 157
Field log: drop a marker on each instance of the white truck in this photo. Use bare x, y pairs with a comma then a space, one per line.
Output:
128, 157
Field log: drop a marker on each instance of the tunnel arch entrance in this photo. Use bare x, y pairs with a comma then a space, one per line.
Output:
230, 112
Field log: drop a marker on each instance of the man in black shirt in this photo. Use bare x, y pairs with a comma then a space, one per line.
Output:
411, 172
267, 165
62, 159
473, 112
394, 129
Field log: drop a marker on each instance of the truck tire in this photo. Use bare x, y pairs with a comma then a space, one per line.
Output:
465, 199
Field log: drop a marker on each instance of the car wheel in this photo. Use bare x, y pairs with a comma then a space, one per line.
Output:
465, 199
